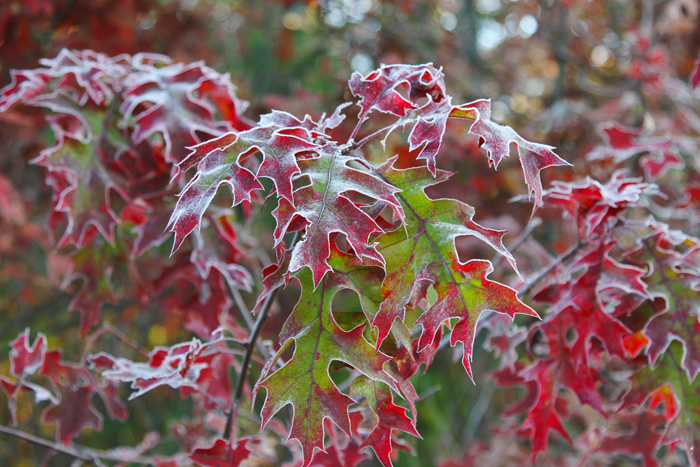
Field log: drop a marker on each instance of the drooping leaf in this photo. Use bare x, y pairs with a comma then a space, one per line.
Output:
497, 140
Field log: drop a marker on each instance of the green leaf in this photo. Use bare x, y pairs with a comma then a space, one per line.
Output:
423, 252
304, 381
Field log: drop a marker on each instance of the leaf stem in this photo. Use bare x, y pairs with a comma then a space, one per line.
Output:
366, 139
361, 119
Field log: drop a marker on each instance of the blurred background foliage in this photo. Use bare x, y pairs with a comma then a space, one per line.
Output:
554, 69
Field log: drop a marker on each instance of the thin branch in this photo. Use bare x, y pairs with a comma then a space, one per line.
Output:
527, 231
85, 457
238, 300
126, 339
245, 364
246, 317
360, 121
477, 413
82, 453
544, 272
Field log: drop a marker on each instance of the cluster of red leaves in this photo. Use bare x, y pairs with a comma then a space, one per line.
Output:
612, 312
612, 367
120, 126
128, 128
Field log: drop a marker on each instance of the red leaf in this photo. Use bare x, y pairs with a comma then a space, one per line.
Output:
171, 106
695, 75
378, 90
74, 414
497, 140
220, 455
484, 295
542, 417
389, 417
178, 366
642, 434
25, 360
326, 207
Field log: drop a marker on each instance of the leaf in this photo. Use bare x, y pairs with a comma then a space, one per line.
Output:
324, 206
580, 302
176, 366
695, 75
74, 414
497, 140
667, 384
657, 165
378, 90
424, 252
82, 184
542, 416
304, 381
218, 249
220, 455
85, 74
63, 374
280, 138
173, 109
624, 142
599, 205
26, 359
93, 267
643, 436
389, 417
674, 277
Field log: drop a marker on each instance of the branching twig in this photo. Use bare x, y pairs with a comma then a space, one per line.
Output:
366, 139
